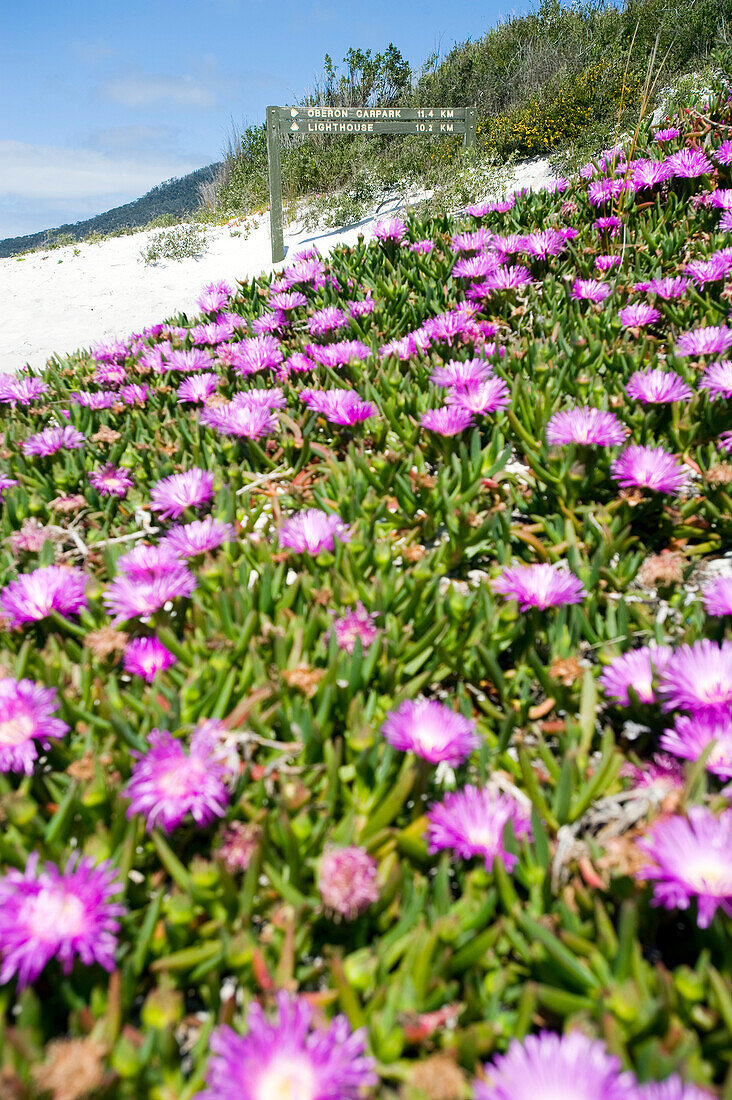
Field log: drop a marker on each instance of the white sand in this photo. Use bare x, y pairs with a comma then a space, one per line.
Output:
52, 303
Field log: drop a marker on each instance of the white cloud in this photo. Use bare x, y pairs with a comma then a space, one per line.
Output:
144, 89
51, 173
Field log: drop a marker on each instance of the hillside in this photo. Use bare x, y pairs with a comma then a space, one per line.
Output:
174, 197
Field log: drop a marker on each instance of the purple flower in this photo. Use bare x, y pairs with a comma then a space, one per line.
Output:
339, 354
254, 354
242, 419
539, 586
648, 468
305, 270
691, 735
215, 332
197, 388
33, 596
606, 190
475, 240
111, 480
649, 173
713, 340
509, 278
266, 398
214, 298
167, 782
717, 596
26, 716
286, 300
723, 154
311, 531
657, 387
549, 242
146, 657
199, 537
546, 1065
432, 731
668, 134
472, 822
606, 263
485, 397
189, 361
587, 426
100, 400
146, 563
338, 406
637, 315
172, 495
725, 442
114, 351
673, 1088
470, 373
134, 394
691, 858
668, 288
449, 420
51, 440
21, 391
358, 623
636, 670
50, 914
712, 270
366, 306
110, 375
347, 881
390, 229
698, 678
127, 598
590, 290
717, 379
327, 320
291, 1057
6, 483
476, 267
298, 362
689, 164
239, 842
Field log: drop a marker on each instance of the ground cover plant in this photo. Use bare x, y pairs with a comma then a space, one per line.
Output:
365, 675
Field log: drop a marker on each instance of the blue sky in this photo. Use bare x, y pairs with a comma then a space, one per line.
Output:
103, 99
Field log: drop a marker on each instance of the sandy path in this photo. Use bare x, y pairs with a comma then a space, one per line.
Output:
52, 303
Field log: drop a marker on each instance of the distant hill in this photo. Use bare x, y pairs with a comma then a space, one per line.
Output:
176, 196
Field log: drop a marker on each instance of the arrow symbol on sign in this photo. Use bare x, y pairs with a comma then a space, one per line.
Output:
294, 126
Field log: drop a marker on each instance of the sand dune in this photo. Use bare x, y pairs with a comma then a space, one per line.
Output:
56, 302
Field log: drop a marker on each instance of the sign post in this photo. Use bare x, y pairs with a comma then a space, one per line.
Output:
309, 121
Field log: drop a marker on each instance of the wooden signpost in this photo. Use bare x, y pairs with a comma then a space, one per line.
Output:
307, 121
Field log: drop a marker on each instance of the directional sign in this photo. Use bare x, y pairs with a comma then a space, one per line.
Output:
310, 121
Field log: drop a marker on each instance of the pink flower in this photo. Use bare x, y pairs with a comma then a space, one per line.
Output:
648, 468
587, 426
146, 657
455, 373
431, 730
214, 297
539, 586
689, 164
172, 495
358, 623
658, 387
590, 290
635, 669
347, 881
481, 398
693, 734
338, 406
390, 229
51, 440
713, 340
198, 388
111, 480
242, 419
691, 857
698, 678
717, 379
450, 420
312, 531
33, 596
638, 315
168, 783
668, 134
472, 822
26, 717
198, 537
